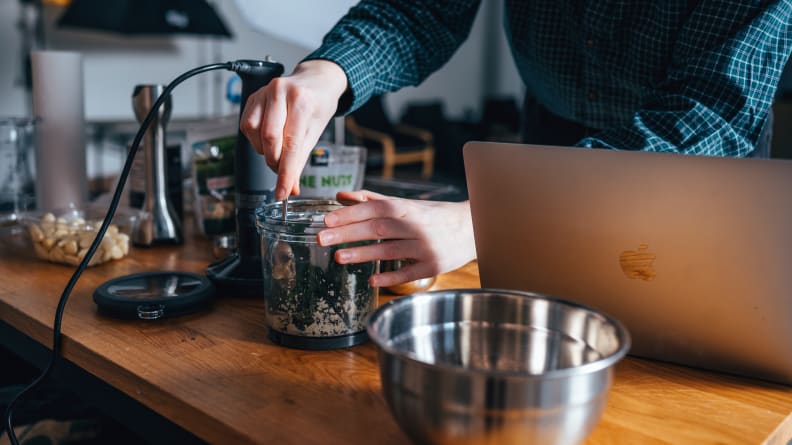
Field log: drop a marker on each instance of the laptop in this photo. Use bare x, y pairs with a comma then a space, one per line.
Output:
691, 253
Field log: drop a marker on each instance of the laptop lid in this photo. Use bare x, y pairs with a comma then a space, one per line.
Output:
691, 253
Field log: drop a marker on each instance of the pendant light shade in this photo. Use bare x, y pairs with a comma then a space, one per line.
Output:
145, 17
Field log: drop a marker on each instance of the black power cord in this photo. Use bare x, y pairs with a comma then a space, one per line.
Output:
240, 66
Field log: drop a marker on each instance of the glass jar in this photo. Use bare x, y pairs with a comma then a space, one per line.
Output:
312, 302
17, 194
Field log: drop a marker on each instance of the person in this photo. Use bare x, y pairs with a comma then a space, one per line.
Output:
665, 75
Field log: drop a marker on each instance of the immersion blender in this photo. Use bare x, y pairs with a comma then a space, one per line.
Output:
240, 274
159, 223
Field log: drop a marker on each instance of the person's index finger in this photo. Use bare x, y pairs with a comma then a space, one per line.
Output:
289, 170
271, 131
294, 151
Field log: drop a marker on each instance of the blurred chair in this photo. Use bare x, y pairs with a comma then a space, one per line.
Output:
389, 144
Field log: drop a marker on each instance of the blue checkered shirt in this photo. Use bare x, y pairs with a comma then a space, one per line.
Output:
696, 77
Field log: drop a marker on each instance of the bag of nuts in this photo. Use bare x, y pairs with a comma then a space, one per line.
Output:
66, 238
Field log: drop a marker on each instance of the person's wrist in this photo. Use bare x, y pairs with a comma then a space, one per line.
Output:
467, 240
332, 76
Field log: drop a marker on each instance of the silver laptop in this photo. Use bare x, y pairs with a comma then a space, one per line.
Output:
691, 253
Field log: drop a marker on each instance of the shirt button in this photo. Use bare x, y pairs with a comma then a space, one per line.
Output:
590, 43
592, 95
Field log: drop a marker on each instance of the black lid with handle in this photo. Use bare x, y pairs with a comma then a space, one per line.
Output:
154, 295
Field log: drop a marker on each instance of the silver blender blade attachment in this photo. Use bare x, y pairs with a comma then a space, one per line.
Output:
158, 223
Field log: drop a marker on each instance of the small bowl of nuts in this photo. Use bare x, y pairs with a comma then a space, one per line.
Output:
64, 236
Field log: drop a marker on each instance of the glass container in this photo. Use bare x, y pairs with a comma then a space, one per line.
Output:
17, 193
312, 302
64, 235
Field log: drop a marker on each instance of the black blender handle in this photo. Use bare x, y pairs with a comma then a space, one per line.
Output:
253, 176
241, 274
257, 68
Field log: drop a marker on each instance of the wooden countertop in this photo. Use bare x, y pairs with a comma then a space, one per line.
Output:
217, 375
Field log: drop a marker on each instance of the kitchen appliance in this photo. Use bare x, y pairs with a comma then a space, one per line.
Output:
312, 302
159, 223
240, 273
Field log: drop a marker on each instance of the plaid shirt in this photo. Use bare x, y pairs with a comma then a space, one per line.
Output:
696, 77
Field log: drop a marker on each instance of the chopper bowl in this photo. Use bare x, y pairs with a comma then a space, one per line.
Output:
311, 301
482, 366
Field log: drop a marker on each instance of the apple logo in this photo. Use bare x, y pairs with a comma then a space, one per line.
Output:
638, 265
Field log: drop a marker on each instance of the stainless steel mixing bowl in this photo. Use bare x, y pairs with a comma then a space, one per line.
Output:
479, 366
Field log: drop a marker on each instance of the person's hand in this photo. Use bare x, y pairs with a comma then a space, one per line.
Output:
436, 236
284, 119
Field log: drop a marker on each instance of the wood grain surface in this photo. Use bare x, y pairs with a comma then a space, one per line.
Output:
216, 374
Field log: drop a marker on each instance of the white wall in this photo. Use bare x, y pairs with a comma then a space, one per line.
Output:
482, 67
12, 95
114, 65
503, 79
459, 83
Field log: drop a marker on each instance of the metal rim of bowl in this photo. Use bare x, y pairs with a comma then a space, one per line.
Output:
598, 365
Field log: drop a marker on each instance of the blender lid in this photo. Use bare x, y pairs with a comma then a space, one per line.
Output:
154, 295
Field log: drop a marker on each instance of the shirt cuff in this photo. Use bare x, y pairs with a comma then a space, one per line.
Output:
358, 72
594, 142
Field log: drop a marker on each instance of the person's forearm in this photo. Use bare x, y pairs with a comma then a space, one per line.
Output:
385, 45
335, 79
462, 228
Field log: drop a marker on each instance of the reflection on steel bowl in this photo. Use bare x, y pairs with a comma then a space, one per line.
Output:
500, 367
